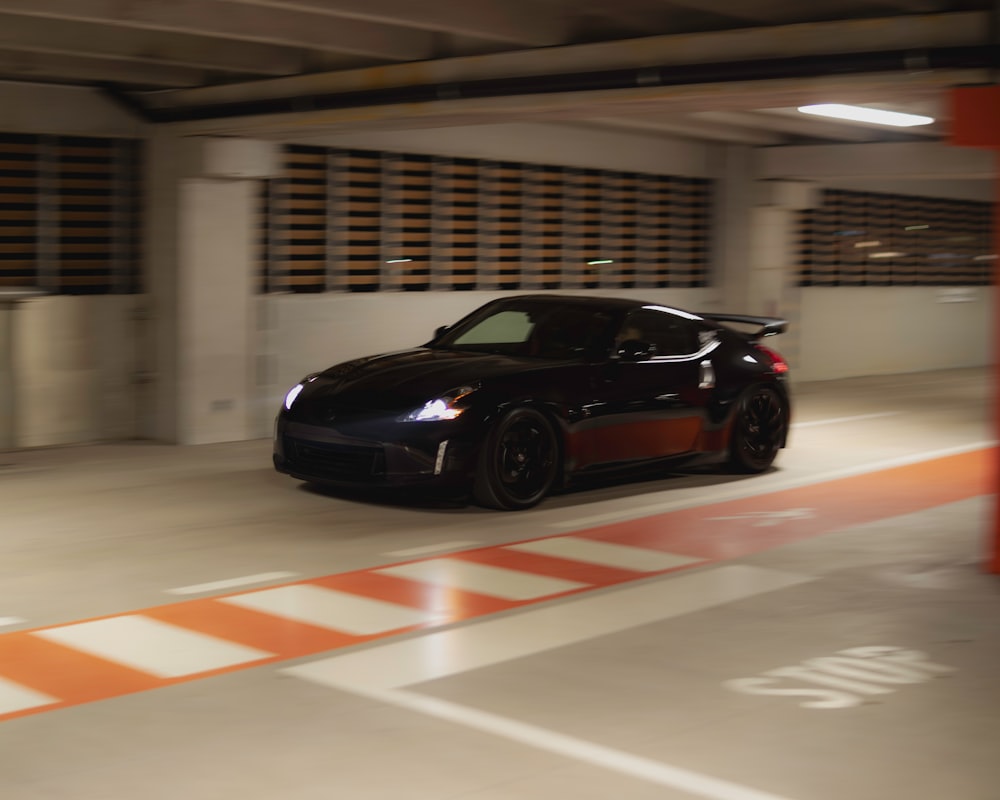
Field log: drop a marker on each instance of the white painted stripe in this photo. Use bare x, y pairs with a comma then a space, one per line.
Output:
635, 512
232, 583
639, 559
330, 609
15, 697
432, 548
836, 420
151, 646
646, 769
438, 655
508, 584
5, 621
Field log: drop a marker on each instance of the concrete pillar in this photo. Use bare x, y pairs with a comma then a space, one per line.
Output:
754, 250
10, 374
202, 201
731, 243
772, 260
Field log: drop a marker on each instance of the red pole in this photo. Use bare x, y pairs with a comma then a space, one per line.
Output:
976, 123
993, 558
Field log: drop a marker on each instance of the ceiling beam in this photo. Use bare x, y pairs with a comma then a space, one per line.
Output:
745, 96
776, 11
802, 126
523, 22
904, 160
31, 34
917, 6
228, 20
943, 30
53, 67
735, 10
691, 128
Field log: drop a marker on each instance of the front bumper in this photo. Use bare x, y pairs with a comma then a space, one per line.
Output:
416, 453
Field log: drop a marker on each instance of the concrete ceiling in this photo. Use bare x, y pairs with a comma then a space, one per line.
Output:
716, 70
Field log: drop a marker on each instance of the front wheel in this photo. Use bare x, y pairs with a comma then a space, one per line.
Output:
758, 430
518, 462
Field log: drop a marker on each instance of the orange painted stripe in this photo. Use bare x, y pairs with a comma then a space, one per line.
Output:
285, 638
706, 532
713, 532
551, 566
448, 604
66, 674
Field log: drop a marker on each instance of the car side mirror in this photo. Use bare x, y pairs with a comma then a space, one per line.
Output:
636, 350
439, 332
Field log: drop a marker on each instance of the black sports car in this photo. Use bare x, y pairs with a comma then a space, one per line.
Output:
528, 392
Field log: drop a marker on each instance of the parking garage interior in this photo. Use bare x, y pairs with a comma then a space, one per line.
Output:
202, 202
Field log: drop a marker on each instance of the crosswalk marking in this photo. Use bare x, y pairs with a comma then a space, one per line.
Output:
331, 609
483, 579
437, 655
151, 646
608, 554
14, 697
82, 662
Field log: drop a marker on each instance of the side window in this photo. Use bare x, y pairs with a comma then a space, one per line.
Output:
671, 335
505, 327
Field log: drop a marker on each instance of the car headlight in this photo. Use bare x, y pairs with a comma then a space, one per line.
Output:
293, 393
446, 407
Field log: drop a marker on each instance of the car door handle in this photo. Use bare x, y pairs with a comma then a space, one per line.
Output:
706, 375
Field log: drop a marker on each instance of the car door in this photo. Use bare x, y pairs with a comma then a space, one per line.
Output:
649, 398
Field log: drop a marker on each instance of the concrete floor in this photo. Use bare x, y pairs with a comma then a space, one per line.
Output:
824, 631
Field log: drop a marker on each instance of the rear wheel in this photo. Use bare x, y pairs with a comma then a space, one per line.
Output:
518, 463
758, 430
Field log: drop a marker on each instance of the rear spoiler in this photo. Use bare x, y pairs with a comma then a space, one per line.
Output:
768, 326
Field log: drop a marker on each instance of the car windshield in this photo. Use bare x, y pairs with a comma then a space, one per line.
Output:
539, 330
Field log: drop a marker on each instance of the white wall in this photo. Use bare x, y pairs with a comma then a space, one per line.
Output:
865, 330
906, 161
75, 364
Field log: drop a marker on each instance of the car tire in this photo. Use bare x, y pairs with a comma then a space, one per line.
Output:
759, 428
518, 462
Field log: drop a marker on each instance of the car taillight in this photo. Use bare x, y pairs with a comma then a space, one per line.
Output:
778, 364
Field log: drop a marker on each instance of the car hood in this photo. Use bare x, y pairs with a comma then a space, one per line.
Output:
406, 379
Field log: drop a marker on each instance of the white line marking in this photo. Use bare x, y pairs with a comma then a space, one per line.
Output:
330, 609
509, 584
768, 519
379, 672
608, 554
635, 512
836, 420
591, 754
5, 621
443, 653
151, 646
231, 583
15, 697
432, 548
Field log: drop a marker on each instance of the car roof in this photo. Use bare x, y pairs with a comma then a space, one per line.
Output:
614, 304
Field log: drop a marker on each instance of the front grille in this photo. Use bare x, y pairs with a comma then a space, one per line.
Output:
347, 462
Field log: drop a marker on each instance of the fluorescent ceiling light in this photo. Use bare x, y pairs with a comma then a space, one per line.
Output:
865, 114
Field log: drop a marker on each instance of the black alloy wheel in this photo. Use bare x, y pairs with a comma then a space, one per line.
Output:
518, 463
758, 430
